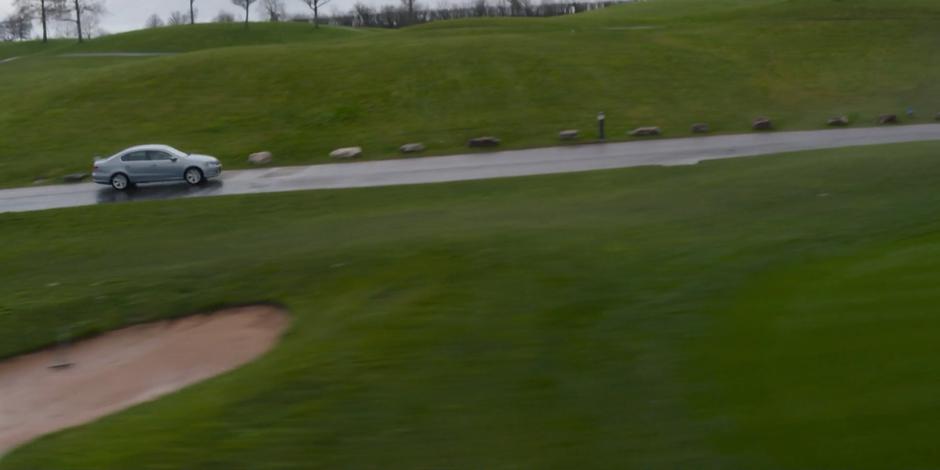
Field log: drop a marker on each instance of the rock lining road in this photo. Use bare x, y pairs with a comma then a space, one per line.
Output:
569, 159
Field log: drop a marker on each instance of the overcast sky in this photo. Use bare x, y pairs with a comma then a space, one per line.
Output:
124, 15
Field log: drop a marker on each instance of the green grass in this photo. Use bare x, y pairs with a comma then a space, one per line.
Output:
210, 36
186, 38
301, 93
774, 313
18, 49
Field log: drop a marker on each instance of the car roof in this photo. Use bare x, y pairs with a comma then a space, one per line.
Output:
138, 148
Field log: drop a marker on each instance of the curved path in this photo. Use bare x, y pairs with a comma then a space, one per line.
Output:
568, 159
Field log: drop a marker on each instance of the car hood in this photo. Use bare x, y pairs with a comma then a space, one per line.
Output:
202, 158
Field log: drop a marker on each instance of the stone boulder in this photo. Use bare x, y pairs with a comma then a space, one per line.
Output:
412, 148
888, 119
347, 152
481, 142
838, 121
75, 177
646, 131
261, 158
570, 134
700, 128
762, 124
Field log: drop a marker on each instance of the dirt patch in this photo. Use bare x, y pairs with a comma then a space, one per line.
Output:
127, 367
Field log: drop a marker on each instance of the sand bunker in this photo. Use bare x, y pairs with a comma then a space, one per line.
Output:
127, 367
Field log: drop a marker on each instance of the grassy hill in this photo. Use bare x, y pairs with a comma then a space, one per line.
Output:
775, 313
210, 36
301, 93
187, 38
18, 49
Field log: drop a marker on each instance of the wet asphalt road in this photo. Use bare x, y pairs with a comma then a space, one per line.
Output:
470, 167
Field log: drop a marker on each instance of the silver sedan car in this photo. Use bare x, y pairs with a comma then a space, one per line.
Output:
154, 163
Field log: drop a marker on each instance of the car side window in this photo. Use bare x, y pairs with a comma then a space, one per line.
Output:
157, 156
134, 157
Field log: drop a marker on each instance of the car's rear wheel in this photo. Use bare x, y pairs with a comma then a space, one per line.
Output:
193, 176
120, 182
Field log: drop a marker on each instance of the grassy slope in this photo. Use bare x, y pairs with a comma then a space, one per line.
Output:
19, 49
211, 36
775, 313
187, 39
725, 62
42, 67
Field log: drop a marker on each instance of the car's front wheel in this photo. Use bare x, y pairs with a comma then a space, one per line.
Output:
193, 176
120, 182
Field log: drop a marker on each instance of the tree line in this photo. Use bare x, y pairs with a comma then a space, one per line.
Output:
82, 16
406, 12
272, 10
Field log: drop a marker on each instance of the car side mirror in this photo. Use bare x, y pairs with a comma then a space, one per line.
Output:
174, 159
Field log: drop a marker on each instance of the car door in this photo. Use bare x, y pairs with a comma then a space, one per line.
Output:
165, 167
137, 166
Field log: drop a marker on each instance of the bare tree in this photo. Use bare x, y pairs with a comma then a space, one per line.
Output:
192, 11
479, 7
363, 14
335, 13
224, 17
17, 26
45, 10
390, 16
409, 5
177, 18
443, 10
274, 10
315, 6
154, 21
78, 11
246, 4
526, 6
